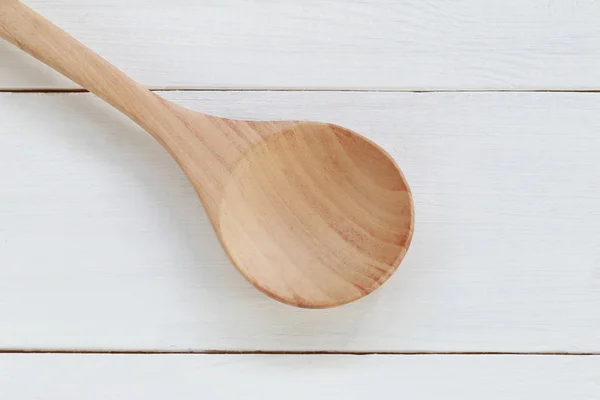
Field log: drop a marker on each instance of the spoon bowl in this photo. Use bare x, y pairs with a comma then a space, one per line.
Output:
316, 215
312, 214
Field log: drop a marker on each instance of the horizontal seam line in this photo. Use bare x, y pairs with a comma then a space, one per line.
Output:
324, 90
259, 352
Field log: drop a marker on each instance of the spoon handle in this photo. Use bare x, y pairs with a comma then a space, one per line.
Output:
34, 34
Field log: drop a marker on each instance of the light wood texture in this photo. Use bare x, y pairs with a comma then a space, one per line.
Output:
103, 244
313, 214
333, 44
99, 377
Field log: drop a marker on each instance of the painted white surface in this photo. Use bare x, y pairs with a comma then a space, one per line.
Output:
103, 244
383, 44
77, 376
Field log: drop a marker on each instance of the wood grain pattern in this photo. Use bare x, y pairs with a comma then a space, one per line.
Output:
329, 44
95, 377
313, 214
103, 244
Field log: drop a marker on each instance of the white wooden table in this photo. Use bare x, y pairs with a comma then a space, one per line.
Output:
113, 285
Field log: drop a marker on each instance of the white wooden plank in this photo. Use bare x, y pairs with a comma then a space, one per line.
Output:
103, 244
385, 44
102, 376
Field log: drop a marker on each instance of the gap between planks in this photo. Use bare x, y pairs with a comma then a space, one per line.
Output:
283, 352
321, 90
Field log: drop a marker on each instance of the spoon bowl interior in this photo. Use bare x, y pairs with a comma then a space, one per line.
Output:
316, 216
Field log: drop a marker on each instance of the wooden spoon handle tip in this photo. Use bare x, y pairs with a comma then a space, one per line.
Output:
37, 36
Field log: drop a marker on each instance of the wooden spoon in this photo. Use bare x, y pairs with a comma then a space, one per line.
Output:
313, 214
